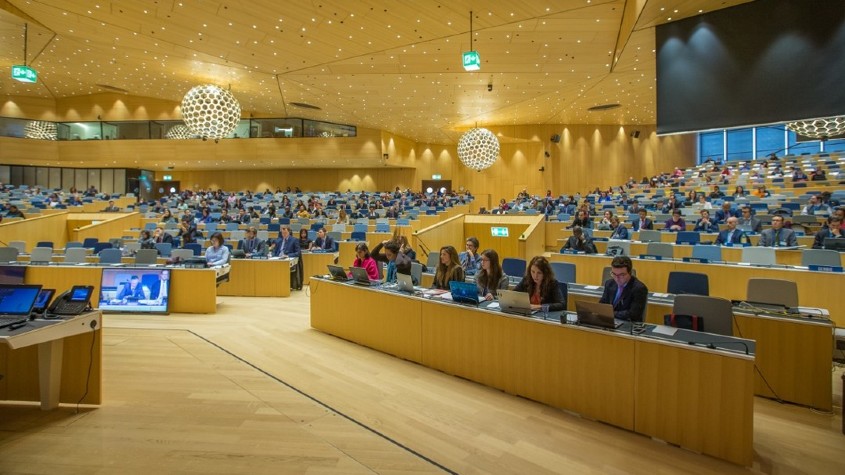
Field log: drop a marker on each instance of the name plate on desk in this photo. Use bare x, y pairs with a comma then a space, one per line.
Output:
651, 257
696, 260
733, 244
600, 239
571, 251
826, 268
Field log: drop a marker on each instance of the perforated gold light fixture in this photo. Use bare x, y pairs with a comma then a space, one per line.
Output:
478, 149
39, 129
179, 132
819, 128
210, 111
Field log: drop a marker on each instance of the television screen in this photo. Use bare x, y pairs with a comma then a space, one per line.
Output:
128, 290
12, 274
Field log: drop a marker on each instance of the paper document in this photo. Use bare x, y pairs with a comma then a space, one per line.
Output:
493, 305
591, 287
664, 330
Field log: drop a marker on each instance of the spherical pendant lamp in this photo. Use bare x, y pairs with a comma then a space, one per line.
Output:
478, 149
179, 132
210, 111
39, 129
819, 128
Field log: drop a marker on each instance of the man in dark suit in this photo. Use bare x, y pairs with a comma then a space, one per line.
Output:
251, 245
748, 219
626, 293
579, 242
187, 230
160, 236
323, 241
705, 224
642, 222
724, 213
833, 230
619, 229
111, 208
286, 245
732, 235
777, 235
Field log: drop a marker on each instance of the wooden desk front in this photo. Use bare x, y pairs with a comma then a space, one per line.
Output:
686, 395
257, 278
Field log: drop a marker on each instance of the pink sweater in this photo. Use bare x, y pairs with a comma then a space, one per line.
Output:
370, 265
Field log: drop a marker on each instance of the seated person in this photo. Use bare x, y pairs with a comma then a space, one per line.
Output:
160, 236
286, 245
304, 242
251, 245
777, 235
365, 261
626, 293
542, 287
579, 242
725, 212
582, 220
111, 208
604, 223
160, 288
833, 230
731, 235
217, 254
469, 259
816, 206
405, 247
323, 242
491, 277
676, 222
705, 224
187, 231
146, 241
131, 291
746, 218
448, 269
396, 261
642, 222
619, 229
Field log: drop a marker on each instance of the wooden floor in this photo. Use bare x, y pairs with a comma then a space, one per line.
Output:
254, 390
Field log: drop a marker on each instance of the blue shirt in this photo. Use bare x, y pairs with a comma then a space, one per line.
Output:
217, 257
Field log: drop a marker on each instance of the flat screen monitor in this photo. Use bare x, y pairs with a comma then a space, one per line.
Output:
12, 275
128, 290
835, 244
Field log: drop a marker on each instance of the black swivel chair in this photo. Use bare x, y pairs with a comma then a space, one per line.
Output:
688, 283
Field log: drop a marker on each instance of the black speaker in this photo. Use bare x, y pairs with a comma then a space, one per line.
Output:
547, 154
555, 138
635, 134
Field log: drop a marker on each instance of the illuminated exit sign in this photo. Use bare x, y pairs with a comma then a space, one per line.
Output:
24, 73
472, 62
436, 177
499, 232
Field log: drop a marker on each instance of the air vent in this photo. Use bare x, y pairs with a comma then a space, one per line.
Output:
304, 105
603, 107
112, 88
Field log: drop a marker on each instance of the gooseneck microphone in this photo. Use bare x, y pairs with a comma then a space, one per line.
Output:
712, 344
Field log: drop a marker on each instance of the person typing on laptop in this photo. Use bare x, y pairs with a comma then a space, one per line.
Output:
491, 277
542, 287
448, 269
626, 293
364, 260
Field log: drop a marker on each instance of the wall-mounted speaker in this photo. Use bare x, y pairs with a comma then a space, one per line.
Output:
635, 134
542, 169
555, 138
547, 154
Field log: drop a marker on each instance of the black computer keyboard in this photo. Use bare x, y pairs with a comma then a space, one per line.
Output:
9, 320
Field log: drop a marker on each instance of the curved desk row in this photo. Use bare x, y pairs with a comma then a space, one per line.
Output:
698, 398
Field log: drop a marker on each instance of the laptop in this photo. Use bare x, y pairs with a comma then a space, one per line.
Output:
596, 314
835, 244
512, 301
360, 277
405, 283
43, 301
464, 292
337, 273
16, 303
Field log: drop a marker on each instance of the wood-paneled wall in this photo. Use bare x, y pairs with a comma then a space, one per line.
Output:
103, 226
49, 227
449, 232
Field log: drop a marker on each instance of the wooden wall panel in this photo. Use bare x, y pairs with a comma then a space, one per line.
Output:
49, 227
24, 107
110, 106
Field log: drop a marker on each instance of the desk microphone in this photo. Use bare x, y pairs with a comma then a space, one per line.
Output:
712, 344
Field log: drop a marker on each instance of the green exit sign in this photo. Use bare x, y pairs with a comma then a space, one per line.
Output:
168, 177
498, 232
436, 177
24, 73
472, 62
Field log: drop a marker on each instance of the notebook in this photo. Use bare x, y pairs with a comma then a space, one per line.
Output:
360, 277
464, 292
596, 314
512, 301
405, 282
337, 273
16, 303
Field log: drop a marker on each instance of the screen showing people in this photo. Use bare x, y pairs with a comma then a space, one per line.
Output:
135, 290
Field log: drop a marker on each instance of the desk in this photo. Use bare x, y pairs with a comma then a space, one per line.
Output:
314, 263
191, 290
688, 395
258, 278
558, 236
59, 349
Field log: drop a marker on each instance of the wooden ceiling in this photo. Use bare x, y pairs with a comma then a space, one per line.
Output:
389, 65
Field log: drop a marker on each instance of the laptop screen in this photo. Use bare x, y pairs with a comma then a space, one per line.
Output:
43, 300
18, 299
463, 291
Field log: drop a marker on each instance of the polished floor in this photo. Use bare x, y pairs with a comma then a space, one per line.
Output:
254, 390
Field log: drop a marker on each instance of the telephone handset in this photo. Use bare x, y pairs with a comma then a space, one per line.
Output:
72, 302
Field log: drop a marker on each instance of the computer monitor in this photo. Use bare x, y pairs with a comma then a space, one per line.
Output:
135, 290
18, 299
12, 275
835, 244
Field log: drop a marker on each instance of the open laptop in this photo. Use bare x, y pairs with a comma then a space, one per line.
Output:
512, 301
596, 314
337, 273
835, 244
360, 277
16, 303
464, 292
405, 283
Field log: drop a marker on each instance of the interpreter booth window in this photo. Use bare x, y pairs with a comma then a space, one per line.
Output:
770, 139
79, 131
275, 128
711, 146
136, 130
740, 144
10, 127
325, 129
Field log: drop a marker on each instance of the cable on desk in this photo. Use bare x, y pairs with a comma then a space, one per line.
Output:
757, 369
90, 366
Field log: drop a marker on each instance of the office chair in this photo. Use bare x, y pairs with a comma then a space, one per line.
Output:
181, 254
432, 260
773, 291
146, 256
688, 237
649, 235
662, 249
513, 266
820, 257
709, 252
41, 255
358, 236
564, 290
564, 272
75, 255
416, 272
72, 244
163, 248
716, 312
8, 254
194, 247
688, 283
45, 244
19, 245
759, 255
99, 246
620, 243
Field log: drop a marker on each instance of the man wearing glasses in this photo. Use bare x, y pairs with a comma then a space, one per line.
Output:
747, 220
626, 293
778, 236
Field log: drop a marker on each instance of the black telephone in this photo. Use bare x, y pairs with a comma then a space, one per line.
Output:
73, 301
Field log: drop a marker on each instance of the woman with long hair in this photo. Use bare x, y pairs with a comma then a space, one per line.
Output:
491, 277
364, 260
448, 269
542, 287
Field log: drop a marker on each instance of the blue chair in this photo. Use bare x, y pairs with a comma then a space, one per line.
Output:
72, 244
564, 272
316, 226
360, 228
274, 227
564, 290
232, 226
150, 226
101, 246
358, 236
284, 221
688, 283
164, 248
382, 228
513, 266
45, 244
194, 247
264, 220
688, 237
110, 256
709, 252
403, 222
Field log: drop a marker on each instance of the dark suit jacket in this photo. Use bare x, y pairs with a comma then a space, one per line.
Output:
165, 237
290, 248
552, 295
818, 241
704, 228
649, 224
328, 245
621, 232
631, 305
576, 244
253, 246
737, 237
189, 235
787, 237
